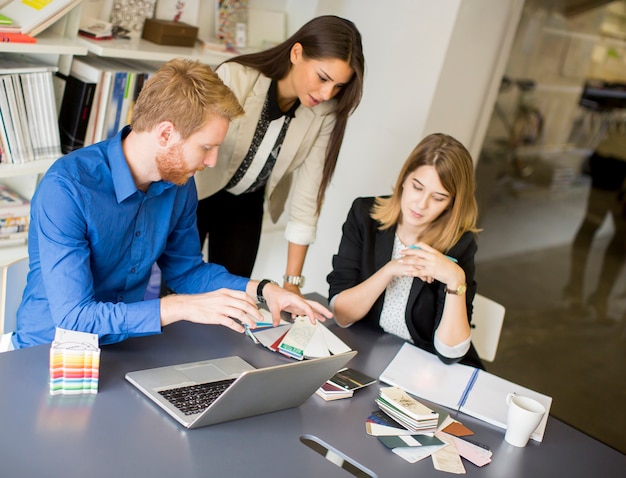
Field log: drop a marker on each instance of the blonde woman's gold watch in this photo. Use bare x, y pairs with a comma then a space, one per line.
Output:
460, 290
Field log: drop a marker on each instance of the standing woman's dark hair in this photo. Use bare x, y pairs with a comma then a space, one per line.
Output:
324, 37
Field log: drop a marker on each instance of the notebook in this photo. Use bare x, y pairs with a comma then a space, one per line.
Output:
472, 391
245, 391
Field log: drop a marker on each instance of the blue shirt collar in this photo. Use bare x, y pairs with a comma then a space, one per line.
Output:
123, 181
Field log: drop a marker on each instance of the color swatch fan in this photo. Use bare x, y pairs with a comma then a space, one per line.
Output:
74, 363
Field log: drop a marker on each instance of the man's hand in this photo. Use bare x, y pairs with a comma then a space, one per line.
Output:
226, 307
279, 299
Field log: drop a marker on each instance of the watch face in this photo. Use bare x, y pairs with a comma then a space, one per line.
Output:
461, 290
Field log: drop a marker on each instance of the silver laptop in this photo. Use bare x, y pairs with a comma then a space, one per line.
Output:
203, 393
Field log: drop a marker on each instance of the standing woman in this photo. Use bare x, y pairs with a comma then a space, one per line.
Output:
406, 262
297, 97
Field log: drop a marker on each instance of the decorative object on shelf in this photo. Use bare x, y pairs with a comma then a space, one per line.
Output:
168, 32
232, 22
131, 15
185, 11
96, 29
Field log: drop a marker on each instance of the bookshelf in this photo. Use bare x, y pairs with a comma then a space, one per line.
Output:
58, 45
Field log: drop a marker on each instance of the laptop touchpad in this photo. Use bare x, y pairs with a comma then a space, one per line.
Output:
202, 373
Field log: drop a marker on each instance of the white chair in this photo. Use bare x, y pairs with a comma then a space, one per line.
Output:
12, 284
487, 322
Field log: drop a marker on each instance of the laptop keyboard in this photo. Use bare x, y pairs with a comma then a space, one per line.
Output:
194, 399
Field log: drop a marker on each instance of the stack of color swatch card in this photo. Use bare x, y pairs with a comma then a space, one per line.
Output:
406, 410
409, 428
343, 384
74, 363
300, 339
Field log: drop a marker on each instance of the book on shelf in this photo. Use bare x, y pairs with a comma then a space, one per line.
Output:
15, 120
118, 89
13, 239
92, 70
28, 109
40, 106
111, 107
472, 391
11, 202
6, 21
74, 112
15, 37
5, 152
35, 16
14, 217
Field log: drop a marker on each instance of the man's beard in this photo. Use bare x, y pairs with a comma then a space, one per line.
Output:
171, 165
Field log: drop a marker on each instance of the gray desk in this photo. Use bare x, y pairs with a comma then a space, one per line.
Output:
118, 432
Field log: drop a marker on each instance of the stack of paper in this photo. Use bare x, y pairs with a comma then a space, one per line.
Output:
299, 340
413, 415
74, 363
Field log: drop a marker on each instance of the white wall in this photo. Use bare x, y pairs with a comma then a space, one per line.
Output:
409, 84
470, 79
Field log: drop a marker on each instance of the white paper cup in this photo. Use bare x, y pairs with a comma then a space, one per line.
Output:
524, 415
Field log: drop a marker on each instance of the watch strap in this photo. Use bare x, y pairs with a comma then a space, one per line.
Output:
259, 290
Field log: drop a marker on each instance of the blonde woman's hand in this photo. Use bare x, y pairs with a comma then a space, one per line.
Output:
430, 264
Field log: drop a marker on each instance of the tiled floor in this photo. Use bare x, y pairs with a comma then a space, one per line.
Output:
547, 345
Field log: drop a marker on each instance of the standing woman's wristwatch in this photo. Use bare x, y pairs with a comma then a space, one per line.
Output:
298, 281
259, 290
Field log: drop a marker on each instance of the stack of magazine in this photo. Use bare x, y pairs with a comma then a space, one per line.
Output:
14, 217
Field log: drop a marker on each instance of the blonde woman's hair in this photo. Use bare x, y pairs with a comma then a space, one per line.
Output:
187, 93
455, 169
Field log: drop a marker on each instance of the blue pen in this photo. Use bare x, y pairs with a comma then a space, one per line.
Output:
413, 246
468, 389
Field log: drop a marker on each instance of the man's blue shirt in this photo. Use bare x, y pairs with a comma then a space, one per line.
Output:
93, 239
